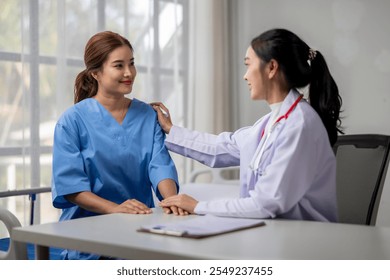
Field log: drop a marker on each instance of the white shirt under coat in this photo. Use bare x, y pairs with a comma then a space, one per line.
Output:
295, 177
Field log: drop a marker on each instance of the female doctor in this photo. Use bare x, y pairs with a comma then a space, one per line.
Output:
287, 166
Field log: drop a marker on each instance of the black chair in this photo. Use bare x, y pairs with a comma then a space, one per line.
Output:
362, 162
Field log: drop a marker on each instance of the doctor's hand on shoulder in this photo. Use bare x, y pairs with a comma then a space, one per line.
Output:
163, 115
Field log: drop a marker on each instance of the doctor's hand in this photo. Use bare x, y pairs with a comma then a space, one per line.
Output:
163, 115
182, 201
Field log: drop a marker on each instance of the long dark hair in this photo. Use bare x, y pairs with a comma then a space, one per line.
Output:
302, 66
96, 52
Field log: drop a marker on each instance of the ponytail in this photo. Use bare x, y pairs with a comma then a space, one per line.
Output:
324, 96
85, 86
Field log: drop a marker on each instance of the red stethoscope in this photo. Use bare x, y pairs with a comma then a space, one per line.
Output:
254, 165
285, 116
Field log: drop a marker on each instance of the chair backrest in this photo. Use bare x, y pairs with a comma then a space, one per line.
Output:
362, 162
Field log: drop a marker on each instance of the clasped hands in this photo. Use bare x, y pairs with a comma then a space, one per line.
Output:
180, 205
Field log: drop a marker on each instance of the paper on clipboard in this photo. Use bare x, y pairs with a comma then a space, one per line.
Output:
202, 226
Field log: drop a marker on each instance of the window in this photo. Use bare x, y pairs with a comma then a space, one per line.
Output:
41, 52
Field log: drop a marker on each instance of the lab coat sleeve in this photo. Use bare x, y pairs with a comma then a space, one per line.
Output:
212, 150
68, 174
161, 165
283, 183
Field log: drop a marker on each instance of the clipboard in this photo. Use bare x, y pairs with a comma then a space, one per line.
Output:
202, 226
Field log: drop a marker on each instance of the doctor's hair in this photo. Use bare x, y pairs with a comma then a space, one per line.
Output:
96, 52
302, 66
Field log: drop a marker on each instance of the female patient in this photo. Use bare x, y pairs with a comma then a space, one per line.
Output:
109, 150
287, 166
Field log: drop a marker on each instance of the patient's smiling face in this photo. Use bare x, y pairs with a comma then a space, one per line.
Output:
118, 73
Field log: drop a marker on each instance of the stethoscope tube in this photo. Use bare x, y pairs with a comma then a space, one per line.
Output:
255, 162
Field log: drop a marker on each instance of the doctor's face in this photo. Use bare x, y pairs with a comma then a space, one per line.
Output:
118, 73
253, 75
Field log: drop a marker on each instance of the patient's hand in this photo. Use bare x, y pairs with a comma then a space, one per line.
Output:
183, 201
175, 210
132, 206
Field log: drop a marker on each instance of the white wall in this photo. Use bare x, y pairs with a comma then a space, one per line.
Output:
354, 38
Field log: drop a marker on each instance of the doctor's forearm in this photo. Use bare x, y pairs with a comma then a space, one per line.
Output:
239, 207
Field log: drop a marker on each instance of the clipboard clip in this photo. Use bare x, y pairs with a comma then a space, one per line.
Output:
167, 231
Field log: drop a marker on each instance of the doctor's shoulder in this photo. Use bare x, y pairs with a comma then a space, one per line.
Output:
312, 121
305, 115
307, 127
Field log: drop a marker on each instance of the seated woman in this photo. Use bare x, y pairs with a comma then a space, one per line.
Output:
109, 151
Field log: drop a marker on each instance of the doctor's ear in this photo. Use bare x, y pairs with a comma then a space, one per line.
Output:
273, 67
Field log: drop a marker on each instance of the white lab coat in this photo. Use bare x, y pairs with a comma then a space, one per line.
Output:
295, 178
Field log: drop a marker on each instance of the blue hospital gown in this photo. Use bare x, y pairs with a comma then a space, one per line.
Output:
93, 152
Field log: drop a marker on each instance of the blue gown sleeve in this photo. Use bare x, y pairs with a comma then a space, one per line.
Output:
68, 174
161, 165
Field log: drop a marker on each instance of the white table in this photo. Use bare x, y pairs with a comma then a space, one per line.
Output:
116, 235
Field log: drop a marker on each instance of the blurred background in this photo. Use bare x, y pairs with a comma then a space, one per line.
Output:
189, 54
